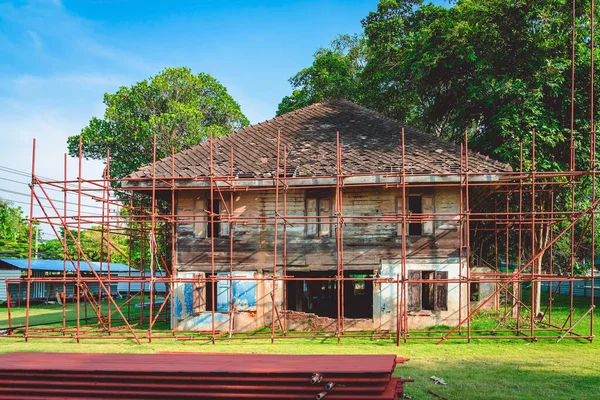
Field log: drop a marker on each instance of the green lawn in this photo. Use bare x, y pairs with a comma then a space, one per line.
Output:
484, 369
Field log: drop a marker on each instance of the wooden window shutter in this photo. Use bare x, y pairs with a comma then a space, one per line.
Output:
200, 216
414, 291
224, 226
199, 295
399, 211
441, 292
324, 211
428, 208
312, 229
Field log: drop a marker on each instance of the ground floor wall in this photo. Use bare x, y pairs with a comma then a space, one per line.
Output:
244, 301
241, 303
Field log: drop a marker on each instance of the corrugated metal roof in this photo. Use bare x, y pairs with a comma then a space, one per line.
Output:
206, 376
57, 265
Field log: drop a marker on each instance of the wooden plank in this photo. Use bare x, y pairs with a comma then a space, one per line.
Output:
414, 291
441, 292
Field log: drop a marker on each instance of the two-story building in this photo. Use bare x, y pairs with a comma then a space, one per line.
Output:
347, 177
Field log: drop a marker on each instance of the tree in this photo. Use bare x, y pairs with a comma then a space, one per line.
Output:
334, 73
492, 68
179, 107
92, 245
14, 231
495, 69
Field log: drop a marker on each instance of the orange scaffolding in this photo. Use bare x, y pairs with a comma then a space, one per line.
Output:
521, 207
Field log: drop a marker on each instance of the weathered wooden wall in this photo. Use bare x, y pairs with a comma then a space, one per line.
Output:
365, 245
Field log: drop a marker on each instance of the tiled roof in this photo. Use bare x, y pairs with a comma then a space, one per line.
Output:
371, 143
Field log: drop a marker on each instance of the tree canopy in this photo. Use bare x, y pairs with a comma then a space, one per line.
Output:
335, 72
91, 244
14, 231
495, 69
492, 68
181, 108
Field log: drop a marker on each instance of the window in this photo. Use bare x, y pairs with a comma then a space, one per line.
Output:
201, 294
216, 221
203, 226
244, 292
200, 218
427, 296
416, 206
474, 291
318, 207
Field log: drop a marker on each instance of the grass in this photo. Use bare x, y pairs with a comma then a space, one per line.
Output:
483, 369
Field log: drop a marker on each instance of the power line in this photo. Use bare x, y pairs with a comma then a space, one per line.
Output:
27, 184
73, 211
54, 200
53, 189
28, 175
19, 172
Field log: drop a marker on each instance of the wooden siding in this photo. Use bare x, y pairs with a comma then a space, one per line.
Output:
364, 244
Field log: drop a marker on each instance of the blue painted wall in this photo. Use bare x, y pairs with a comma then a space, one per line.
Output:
244, 299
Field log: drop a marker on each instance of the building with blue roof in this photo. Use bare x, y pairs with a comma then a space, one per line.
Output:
12, 270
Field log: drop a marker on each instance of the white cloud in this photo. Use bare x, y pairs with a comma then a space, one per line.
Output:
50, 127
78, 80
35, 38
71, 33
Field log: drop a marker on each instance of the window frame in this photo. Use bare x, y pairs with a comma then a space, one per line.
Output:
427, 228
202, 228
438, 291
411, 225
320, 230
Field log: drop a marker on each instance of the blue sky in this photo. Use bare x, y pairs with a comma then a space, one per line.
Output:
58, 58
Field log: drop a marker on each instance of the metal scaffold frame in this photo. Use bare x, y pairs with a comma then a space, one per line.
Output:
513, 216
524, 207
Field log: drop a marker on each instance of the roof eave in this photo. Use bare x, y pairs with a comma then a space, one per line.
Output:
356, 180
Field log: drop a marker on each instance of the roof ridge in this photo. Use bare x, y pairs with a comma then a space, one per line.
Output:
234, 133
303, 129
477, 154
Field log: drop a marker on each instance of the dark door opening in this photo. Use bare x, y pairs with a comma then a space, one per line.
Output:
428, 291
320, 296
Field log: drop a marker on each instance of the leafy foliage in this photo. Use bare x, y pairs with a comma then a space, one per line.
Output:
14, 232
91, 245
334, 73
495, 69
180, 107
492, 68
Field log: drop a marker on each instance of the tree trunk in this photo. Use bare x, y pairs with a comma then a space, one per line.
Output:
538, 287
542, 240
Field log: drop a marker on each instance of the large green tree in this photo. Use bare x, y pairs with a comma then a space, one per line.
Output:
335, 72
180, 107
496, 69
14, 231
94, 244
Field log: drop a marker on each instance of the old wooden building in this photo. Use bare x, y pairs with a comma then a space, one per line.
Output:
335, 181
